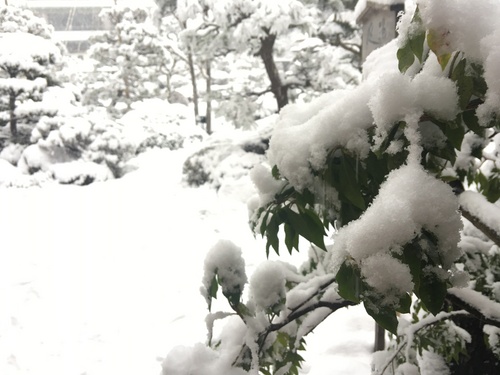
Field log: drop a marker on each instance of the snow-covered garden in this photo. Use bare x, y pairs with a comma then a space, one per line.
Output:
219, 190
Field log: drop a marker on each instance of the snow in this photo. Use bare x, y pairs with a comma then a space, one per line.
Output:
489, 308
105, 278
299, 140
493, 334
225, 260
267, 285
400, 212
479, 207
432, 364
479, 43
39, 48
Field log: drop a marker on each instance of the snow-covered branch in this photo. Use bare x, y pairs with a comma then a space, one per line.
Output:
477, 304
408, 335
484, 215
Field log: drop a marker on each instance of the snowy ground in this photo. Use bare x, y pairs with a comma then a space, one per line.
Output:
104, 279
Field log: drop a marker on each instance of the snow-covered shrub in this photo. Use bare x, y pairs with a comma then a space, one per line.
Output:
92, 138
26, 68
27, 64
226, 159
157, 123
404, 170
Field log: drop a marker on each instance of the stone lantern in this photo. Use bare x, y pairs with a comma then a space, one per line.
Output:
378, 19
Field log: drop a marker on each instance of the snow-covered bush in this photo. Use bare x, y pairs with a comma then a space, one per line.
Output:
27, 66
404, 170
74, 141
226, 159
157, 123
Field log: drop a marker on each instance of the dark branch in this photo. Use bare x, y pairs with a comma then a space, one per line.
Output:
333, 306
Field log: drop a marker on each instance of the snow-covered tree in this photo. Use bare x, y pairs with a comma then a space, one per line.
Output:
27, 64
20, 20
287, 62
130, 59
404, 169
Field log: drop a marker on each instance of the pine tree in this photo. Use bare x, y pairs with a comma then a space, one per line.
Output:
129, 59
27, 66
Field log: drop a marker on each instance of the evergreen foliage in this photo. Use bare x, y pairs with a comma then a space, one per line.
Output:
130, 60
27, 69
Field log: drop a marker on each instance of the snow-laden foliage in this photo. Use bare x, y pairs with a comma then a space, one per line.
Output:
66, 143
222, 159
156, 123
385, 167
27, 64
130, 60
290, 51
18, 20
81, 146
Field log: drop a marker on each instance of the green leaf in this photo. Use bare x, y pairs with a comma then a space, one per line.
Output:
305, 198
480, 85
384, 316
405, 57
307, 225
437, 43
349, 282
417, 40
234, 299
455, 135
432, 292
417, 44
349, 186
212, 291
405, 304
263, 224
276, 172
470, 119
464, 82
291, 238
412, 256
272, 230
214, 287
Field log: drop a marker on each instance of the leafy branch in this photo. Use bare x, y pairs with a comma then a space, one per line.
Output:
412, 330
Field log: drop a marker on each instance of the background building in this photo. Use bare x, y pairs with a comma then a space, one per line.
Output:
75, 21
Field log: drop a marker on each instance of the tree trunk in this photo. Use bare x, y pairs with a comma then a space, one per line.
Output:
192, 74
208, 115
379, 338
13, 118
266, 53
